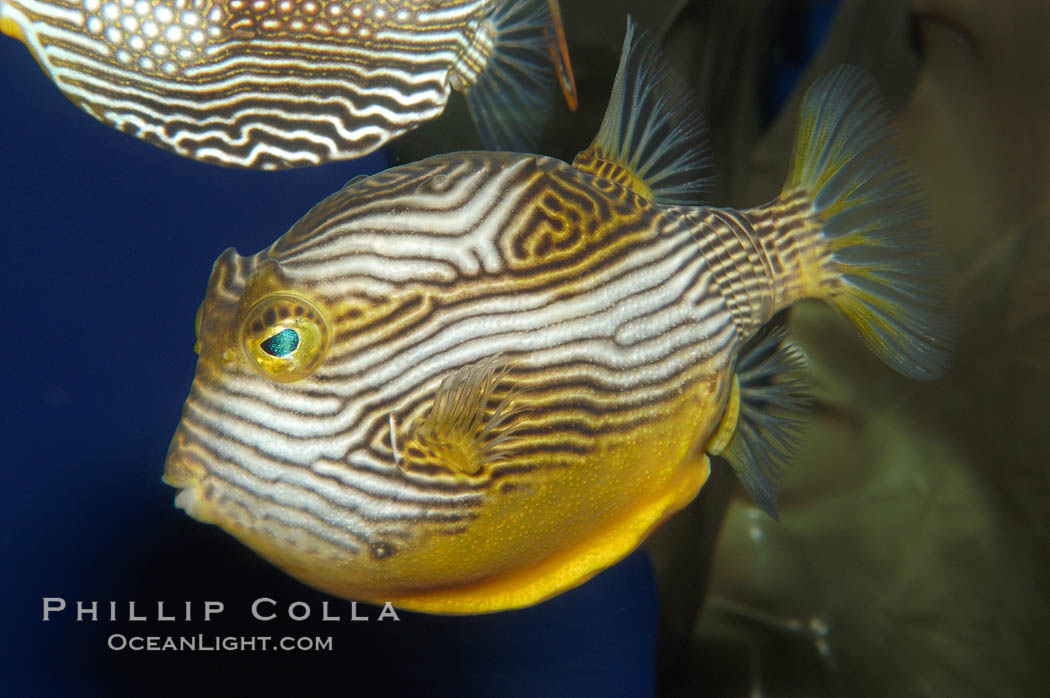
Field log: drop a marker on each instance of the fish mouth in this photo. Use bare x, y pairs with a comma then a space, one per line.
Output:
184, 471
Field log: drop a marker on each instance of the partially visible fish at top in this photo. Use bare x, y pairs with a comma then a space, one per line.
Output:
469, 383
272, 84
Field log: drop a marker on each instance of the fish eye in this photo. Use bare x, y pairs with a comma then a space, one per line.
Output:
281, 344
285, 336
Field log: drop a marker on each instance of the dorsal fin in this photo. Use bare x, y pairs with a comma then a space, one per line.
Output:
463, 431
754, 440
652, 139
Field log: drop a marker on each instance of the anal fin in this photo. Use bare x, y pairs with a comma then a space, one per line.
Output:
759, 430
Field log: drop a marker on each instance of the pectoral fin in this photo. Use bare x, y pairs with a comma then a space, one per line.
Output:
468, 425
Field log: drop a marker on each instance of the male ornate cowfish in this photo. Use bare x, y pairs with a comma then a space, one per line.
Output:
288, 83
470, 383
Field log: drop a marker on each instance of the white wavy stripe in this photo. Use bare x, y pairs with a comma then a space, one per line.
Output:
238, 74
367, 477
537, 337
360, 226
696, 306
330, 88
249, 133
287, 523
512, 315
339, 52
454, 13
585, 339
92, 97
334, 55
290, 436
244, 121
401, 272
458, 235
284, 522
474, 212
379, 496
408, 258
33, 31
600, 296
409, 199
645, 256
344, 232
304, 401
378, 82
457, 214
631, 387
259, 150
292, 506
425, 36
245, 399
643, 385
53, 11
370, 495
746, 285
390, 68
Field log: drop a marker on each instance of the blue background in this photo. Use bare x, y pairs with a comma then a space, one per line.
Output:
107, 247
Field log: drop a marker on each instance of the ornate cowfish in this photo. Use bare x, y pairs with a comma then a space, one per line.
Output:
469, 383
287, 83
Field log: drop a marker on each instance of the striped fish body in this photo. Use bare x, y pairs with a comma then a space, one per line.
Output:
285, 83
470, 383
613, 344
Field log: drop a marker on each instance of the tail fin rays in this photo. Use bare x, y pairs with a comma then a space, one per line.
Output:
884, 276
514, 95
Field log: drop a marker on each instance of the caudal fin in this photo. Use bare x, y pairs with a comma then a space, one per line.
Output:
874, 232
513, 97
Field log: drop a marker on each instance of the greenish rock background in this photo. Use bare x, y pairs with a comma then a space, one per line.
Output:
913, 554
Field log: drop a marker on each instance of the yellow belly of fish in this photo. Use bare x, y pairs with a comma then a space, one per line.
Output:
557, 529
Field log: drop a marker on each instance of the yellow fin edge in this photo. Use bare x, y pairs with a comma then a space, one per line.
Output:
727, 427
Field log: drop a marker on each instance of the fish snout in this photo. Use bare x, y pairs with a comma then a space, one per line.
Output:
184, 469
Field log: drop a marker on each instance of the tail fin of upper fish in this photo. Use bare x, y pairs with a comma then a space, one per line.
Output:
513, 97
876, 265
559, 53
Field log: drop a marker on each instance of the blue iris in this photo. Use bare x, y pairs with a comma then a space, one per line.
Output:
281, 344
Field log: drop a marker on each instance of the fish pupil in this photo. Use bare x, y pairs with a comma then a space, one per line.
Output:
281, 344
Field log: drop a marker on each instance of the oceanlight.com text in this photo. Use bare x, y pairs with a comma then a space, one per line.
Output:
218, 643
